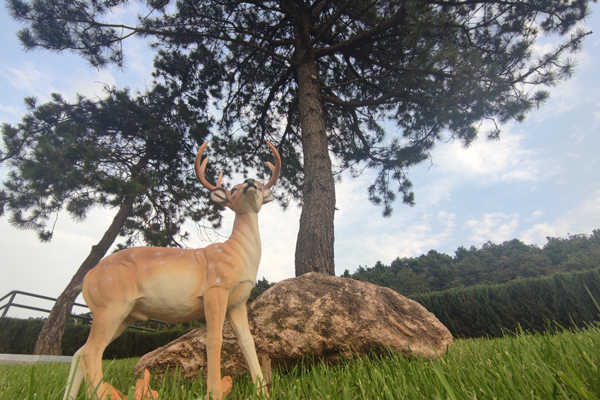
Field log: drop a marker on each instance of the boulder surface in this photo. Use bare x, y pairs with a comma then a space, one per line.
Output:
324, 317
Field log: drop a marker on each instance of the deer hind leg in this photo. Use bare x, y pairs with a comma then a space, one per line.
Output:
106, 327
238, 318
215, 308
76, 373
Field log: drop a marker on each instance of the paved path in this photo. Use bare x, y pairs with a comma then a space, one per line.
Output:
28, 359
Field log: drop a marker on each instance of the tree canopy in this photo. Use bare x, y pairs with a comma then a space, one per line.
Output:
321, 78
131, 153
116, 150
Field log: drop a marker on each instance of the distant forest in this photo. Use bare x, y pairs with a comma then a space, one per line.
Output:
491, 264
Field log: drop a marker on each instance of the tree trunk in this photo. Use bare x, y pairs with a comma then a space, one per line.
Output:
49, 340
314, 247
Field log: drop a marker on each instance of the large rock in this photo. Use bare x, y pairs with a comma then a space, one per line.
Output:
317, 315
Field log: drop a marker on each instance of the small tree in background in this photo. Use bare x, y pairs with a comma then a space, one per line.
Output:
261, 286
132, 154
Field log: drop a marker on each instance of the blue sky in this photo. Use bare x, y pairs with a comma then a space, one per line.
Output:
541, 179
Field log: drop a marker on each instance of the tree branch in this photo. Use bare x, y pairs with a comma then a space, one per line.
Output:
362, 36
387, 98
159, 33
329, 23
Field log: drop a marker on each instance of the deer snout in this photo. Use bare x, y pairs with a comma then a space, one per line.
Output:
249, 183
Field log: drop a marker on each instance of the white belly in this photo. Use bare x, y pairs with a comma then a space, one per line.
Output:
169, 299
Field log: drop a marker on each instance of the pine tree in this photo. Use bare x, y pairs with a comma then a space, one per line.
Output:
320, 78
131, 154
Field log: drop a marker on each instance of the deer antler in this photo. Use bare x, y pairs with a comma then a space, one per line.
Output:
201, 168
275, 170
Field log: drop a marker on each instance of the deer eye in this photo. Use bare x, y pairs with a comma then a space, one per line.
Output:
233, 191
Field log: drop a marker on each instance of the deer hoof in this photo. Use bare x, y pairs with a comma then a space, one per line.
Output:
108, 391
142, 388
226, 385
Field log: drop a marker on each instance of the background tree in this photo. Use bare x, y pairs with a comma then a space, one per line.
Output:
491, 264
132, 154
320, 78
261, 286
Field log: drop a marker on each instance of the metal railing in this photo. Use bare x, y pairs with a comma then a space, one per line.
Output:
14, 293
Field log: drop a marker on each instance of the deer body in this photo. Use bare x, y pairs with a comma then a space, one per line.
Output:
178, 285
176, 279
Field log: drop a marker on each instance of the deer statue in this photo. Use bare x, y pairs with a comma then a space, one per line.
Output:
179, 285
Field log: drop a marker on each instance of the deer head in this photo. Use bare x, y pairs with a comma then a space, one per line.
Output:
244, 197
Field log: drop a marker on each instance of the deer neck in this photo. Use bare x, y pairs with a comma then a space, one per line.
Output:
246, 238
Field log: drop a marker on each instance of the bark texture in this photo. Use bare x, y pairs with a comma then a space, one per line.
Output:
49, 340
314, 247
315, 315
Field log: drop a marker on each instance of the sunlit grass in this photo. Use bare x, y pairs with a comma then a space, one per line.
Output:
550, 366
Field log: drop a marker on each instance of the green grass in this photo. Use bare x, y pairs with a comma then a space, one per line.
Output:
550, 366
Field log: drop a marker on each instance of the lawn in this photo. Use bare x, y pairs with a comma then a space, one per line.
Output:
563, 365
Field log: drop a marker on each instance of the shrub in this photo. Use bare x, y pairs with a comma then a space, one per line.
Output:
532, 304
18, 336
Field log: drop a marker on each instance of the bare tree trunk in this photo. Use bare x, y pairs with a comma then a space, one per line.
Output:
49, 340
314, 247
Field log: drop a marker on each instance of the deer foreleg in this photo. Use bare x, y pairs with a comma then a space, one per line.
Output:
215, 308
238, 318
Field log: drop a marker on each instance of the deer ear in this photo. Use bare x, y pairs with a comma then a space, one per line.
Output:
267, 196
219, 195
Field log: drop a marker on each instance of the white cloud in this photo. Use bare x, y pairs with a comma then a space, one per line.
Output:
583, 218
574, 155
366, 247
508, 159
89, 85
447, 218
541, 48
29, 78
535, 215
577, 136
485, 163
565, 97
11, 110
41, 81
363, 236
538, 233
438, 190
139, 60
496, 227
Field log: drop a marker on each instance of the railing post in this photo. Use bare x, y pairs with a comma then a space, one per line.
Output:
12, 297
